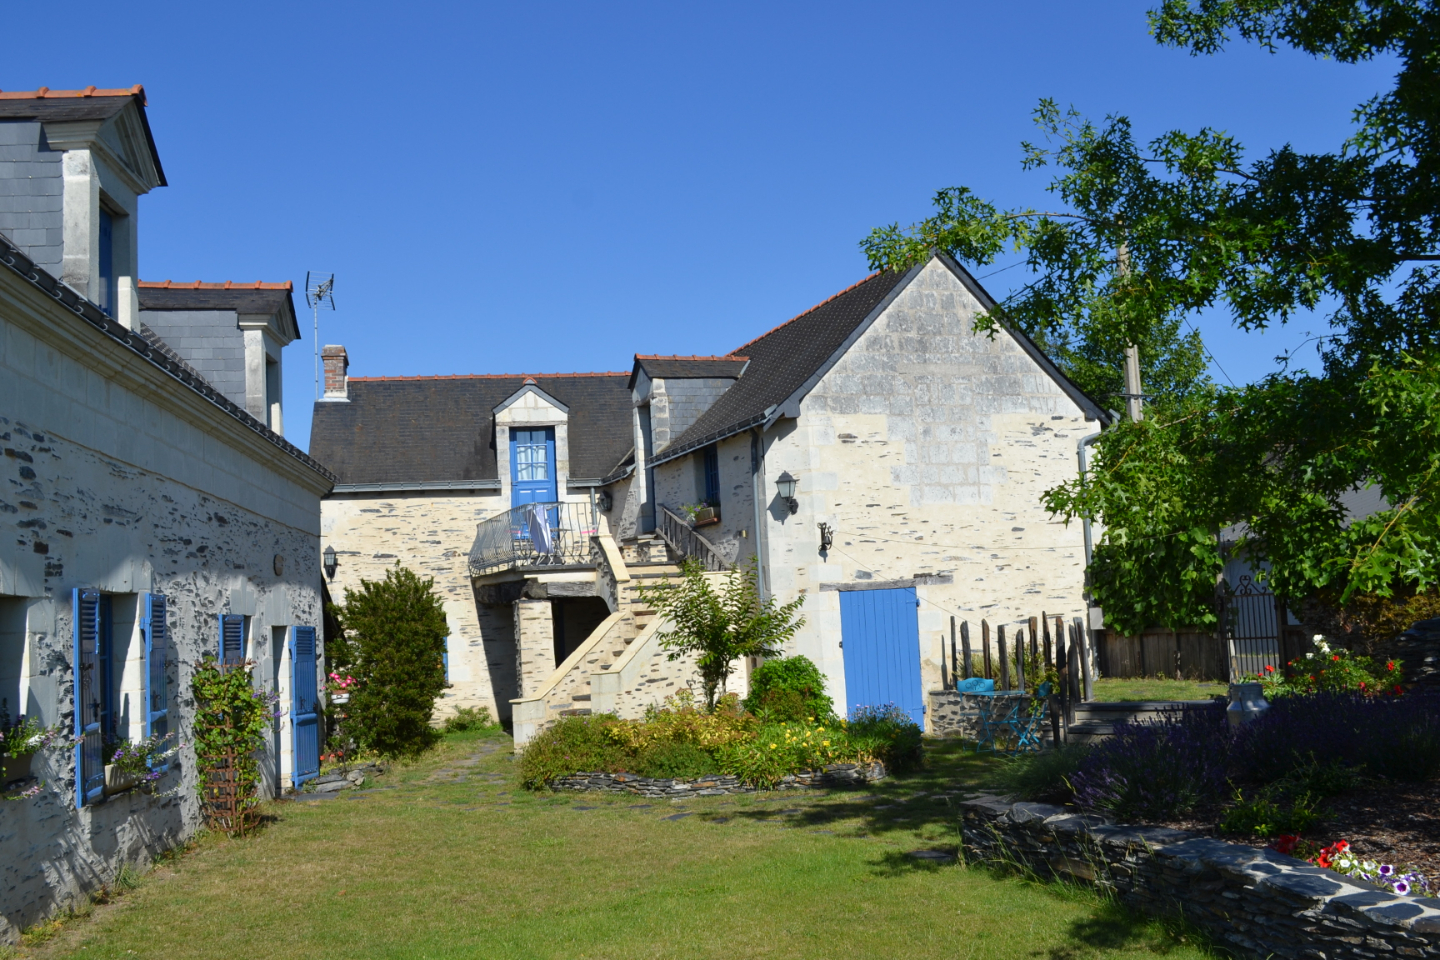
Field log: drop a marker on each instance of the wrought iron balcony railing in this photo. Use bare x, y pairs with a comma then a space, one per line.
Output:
534, 535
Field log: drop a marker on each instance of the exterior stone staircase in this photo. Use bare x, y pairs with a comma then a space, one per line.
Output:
622, 648
1096, 720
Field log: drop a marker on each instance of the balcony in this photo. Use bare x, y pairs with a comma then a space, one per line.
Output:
535, 535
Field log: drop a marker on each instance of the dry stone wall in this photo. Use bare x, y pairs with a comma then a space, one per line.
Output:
834, 776
1256, 903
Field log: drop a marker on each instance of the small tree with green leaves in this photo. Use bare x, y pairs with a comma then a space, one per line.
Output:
720, 627
395, 641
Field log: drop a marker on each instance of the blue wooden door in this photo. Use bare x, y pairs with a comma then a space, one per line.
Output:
881, 642
532, 466
304, 705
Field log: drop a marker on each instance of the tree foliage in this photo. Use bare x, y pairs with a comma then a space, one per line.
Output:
1142, 237
395, 640
721, 627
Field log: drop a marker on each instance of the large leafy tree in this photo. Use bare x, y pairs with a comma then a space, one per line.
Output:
1143, 236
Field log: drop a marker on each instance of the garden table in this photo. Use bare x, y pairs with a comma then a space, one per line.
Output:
1006, 715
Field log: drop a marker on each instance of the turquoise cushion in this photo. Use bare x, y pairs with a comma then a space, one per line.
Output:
976, 685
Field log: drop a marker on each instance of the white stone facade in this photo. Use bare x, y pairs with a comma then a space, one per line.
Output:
119, 478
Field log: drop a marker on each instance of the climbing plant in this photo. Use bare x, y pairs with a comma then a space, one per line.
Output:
232, 722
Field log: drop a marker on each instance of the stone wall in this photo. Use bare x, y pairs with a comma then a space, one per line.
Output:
431, 534
834, 776
1255, 903
116, 477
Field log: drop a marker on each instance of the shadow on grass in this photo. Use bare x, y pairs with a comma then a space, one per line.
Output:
1112, 927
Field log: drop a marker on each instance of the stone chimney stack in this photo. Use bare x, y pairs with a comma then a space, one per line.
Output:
337, 363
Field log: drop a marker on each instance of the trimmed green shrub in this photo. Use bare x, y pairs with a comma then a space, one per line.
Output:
675, 759
469, 718
789, 689
574, 745
395, 639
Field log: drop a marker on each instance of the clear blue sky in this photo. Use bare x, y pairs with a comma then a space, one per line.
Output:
555, 187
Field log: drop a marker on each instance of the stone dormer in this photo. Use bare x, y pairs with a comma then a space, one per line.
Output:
673, 392
78, 162
232, 333
532, 445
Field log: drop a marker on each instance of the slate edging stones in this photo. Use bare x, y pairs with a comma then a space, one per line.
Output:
1257, 903
835, 775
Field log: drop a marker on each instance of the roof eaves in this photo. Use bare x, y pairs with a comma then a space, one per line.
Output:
133, 341
715, 436
1092, 410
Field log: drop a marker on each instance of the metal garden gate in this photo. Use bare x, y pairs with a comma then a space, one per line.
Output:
1250, 623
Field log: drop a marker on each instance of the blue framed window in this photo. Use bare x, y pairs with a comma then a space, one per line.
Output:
105, 296
231, 646
712, 475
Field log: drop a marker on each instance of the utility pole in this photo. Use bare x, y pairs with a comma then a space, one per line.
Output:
1134, 410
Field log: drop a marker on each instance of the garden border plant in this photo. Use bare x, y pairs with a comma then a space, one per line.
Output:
232, 724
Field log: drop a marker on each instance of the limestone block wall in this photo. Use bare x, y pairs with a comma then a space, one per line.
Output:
927, 447
430, 533
114, 477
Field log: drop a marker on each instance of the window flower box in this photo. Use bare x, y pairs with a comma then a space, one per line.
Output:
706, 516
118, 780
15, 768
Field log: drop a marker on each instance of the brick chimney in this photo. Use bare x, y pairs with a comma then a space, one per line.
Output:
337, 363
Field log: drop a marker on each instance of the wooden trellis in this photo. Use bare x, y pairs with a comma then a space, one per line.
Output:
225, 793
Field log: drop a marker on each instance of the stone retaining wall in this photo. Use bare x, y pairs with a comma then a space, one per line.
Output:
833, 776
1257, 903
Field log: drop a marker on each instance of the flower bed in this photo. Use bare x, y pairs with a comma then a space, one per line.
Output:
1255, 902
1306, 767
682, 742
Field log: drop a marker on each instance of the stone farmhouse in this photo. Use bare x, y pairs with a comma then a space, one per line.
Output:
873, 454
153, 511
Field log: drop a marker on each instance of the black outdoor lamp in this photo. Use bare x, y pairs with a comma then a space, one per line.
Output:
330, 563
785, 484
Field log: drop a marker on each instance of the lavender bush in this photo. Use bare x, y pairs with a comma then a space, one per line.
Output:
1151, 771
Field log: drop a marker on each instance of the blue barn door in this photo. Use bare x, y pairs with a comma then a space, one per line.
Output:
532, 466
304, 706
880, 634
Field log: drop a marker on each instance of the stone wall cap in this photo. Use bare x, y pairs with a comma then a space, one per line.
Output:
1026, 812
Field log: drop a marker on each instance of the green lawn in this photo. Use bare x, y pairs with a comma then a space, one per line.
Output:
1157, 688
451, 859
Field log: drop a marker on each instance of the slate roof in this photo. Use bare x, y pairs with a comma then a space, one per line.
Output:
59, 106
783, 359
687, 368
403, 430
261, 298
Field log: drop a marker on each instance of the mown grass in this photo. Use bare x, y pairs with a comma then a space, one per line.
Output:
1156, 688
455, 860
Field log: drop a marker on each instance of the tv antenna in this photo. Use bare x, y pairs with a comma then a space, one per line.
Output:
319, 288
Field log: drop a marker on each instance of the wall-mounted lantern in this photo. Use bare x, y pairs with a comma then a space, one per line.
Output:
606, 501
785, 485
330, 563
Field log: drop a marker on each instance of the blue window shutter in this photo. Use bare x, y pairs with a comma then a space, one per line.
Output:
157, 691
232, 637
445, 659
304, 706
89, 762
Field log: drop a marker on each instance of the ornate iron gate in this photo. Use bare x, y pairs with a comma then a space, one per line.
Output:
1250, 623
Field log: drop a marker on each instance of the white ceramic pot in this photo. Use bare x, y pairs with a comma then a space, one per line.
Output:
1247, 702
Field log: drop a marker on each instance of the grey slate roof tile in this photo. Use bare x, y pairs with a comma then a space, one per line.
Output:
425, 429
